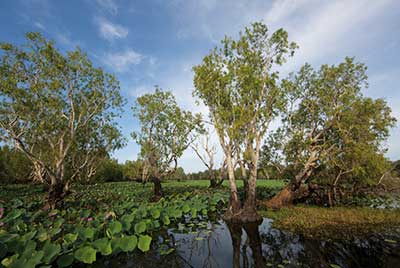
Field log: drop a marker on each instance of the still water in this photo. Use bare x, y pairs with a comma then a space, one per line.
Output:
259, 245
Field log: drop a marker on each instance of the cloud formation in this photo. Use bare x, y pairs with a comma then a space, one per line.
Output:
110, 31
122, 61
109, 6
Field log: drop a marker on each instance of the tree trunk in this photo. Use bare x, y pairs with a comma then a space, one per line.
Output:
56, 193
245, 179
294, 190
249, 213
234, 208
157, 189
213, 179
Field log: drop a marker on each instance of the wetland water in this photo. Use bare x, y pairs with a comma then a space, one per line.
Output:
221, 245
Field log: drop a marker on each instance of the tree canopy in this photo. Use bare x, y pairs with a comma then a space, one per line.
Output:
164, 135
53, 105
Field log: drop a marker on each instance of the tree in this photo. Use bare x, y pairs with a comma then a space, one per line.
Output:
133, 170
165, 134
206, 153
93, 149
15, 167
50, 103
238, 83
330, 128
109, 171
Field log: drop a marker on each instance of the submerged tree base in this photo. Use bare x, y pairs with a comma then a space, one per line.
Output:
242, 216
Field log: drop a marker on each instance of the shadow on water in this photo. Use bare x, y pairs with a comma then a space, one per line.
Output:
259, 245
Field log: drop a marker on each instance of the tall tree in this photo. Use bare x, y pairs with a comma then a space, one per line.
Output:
49, 98
238, 83
165, 134
206, 152
330, 126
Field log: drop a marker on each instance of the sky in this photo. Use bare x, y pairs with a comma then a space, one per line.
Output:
157, 42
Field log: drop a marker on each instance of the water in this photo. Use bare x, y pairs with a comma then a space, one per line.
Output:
252, 245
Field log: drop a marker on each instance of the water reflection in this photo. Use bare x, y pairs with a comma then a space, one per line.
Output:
259, 245
253, 245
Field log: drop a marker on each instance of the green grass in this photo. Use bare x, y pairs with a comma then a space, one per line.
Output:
206, 183
336, 222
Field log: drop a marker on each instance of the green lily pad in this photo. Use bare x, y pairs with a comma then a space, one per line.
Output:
65, 260
115, 227
127, 243
140, 227
50, 252
103, 245
155, 213
85, 254
144, 243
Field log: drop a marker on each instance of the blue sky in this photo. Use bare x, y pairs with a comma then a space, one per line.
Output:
156, 42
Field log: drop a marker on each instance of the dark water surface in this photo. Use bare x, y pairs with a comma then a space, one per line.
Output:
221, 245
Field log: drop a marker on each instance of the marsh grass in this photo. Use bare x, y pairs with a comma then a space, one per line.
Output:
337, 222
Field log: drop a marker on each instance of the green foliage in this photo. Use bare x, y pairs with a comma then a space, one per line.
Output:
14, 166
85, 254
109, 171
165, 131
58, 109
127, 243
106, 218
238, 83
144, 242
103, 245
331, 128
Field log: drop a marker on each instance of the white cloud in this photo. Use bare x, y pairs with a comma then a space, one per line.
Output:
65, 40
39, 25
327, 29
110, 31
281, 10
140, 90
122, 61
109, 6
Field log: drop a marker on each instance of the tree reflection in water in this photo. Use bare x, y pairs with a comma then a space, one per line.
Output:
253, 245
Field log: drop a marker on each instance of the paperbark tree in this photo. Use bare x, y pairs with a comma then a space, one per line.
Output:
206, 153
166, 132
331, 126
238, 83
48, 100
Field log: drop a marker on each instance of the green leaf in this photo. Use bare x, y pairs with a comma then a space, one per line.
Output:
29, 249
50, 252
127, 243
166, 252
155, 213
7, 262
85, 254
86, 233
194, 212
14, 214
103, 245
166, 220
115, 227
140, 227
177, 213
65, 260
70, 238
144, 242
186, 208
334, 265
